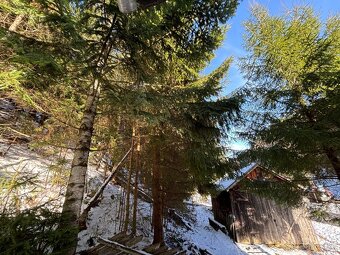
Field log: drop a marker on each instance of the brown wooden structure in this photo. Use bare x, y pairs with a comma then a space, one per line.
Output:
252, 219
123, 244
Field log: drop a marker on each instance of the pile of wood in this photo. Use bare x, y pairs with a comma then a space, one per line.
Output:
123, 244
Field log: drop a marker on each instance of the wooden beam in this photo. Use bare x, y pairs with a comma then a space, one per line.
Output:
121, 247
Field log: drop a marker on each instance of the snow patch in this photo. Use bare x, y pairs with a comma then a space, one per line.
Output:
329, 237
203, 236
199, 199
227, 182
38, 182
106, 219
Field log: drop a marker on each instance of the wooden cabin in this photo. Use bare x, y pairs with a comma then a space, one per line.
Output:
252, 219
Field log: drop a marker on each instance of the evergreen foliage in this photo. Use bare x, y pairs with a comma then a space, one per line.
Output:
292, 111
284, 192
33, 232
186, 125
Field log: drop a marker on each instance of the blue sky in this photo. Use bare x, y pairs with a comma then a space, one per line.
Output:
233, 43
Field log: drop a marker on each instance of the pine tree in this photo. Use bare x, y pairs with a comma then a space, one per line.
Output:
293, 93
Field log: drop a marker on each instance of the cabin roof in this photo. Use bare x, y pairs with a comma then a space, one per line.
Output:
228, 183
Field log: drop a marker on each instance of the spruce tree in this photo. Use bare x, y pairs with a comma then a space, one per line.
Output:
184, 127
292, 111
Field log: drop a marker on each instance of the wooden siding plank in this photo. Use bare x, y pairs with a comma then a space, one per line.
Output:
272, 234
264, 221
261, 220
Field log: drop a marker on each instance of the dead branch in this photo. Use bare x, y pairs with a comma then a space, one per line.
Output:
93, 200
16, 23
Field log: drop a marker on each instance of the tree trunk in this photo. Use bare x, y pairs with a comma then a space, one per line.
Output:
135, 203
335, 161
157, 216
128, 188
76, 184
135, 191
121, 214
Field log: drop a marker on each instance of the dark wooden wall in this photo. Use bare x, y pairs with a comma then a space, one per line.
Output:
221, 206
260, 220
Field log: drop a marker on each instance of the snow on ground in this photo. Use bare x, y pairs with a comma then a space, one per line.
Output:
329, 237
48, 185
199, 199
206, 238
202, 236
36, 178
105, 219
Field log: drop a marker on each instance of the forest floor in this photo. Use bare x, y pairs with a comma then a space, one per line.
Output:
196, 237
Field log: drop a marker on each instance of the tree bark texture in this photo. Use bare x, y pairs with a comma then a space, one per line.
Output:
157, 210
76, 183
334, 159
135, 191
128, 188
